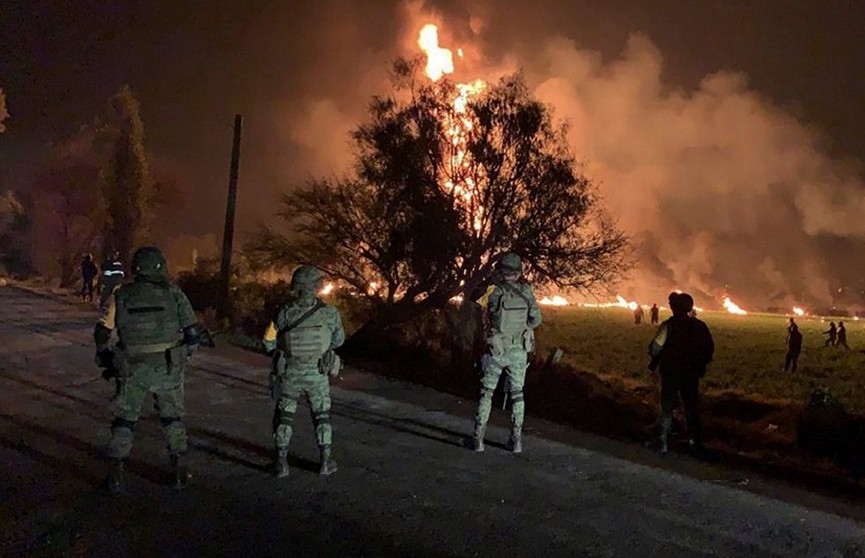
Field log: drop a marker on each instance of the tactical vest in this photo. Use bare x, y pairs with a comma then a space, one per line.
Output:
513, 311
147, 318
308, 340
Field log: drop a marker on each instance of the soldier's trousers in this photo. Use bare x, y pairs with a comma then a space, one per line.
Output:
684, 388
513, 363
151, 376
313, 385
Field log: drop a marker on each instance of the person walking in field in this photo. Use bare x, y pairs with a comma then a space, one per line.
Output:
794, 347
653, 314
681, 350
833, 335
638, 314
842, 336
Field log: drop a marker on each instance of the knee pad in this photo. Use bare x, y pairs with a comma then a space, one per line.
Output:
517, 396
283, 417
322, 418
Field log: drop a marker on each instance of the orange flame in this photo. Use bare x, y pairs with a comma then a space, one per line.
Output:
732, 307
439, 61
456, 182
799, 311
555, 300
326, 289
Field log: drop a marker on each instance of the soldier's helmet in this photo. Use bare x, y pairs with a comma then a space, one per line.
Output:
510, 263
306, 279
148, 261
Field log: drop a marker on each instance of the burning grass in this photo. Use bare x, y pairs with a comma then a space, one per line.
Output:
749, 357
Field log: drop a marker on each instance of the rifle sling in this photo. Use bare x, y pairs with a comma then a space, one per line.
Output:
318, 306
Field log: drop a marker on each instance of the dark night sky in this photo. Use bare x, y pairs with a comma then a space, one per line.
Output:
194, 64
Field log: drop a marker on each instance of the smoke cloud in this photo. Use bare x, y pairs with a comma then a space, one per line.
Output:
720, 189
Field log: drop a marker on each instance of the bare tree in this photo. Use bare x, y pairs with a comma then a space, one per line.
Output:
127, 185
447, 177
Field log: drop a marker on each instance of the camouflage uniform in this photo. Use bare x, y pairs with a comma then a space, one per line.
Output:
682, 347
513, 315
302, 333
156, 331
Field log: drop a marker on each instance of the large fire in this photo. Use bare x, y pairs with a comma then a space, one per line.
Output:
456, 180
799, 311
732, 307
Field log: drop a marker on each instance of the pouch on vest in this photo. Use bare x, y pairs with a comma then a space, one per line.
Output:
514, 312
496, 346
529, 341
330, 364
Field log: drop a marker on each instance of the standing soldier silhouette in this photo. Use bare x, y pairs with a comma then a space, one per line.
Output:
157, 332
513, 315
842, 336
832, 333
653, 314
794, 347
681, 349
301, 339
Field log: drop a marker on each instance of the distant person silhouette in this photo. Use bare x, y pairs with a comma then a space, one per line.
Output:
653, 313
88, 275
842, 336
832, 332
638, 314
794, 347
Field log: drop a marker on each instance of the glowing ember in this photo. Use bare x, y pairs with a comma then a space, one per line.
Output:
732, 307
798, 311
555, 300
326, 289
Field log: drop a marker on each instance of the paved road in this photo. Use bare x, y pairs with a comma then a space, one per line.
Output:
405, 487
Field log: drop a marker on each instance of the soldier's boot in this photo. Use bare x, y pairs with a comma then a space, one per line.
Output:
114, 480
280, 465
181, 473
666, 425
515, 442
328, 464
477, 442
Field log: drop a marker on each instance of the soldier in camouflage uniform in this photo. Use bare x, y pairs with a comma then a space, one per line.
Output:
157, 332
301, 339
513, 315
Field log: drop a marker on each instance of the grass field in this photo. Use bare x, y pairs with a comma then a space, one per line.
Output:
749, 355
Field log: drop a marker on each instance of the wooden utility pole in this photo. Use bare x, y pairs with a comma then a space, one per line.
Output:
228, 233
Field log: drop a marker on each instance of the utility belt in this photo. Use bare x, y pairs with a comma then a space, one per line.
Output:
500, 342
328, 364
174, 353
